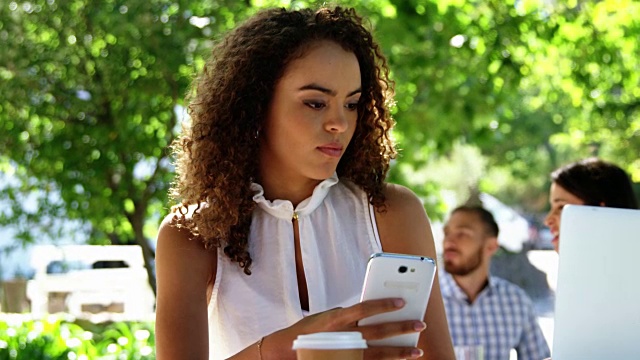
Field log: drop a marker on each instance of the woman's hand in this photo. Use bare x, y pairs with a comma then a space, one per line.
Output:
279, 343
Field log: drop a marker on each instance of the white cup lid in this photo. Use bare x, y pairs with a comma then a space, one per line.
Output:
330, 340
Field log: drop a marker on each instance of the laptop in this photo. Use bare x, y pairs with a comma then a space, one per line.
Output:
597, 310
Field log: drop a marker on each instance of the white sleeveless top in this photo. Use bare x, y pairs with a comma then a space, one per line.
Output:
338, 233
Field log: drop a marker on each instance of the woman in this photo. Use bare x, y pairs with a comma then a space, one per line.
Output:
587, 182
280, 176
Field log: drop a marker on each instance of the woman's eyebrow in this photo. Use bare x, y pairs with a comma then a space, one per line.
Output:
314, 86
358, 90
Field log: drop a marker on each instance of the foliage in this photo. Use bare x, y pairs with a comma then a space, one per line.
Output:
91, 95
89, 104
57, 338
534, 85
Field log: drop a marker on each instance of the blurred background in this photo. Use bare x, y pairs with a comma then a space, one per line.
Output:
491, 96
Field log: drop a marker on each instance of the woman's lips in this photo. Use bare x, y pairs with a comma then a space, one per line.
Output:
331, 151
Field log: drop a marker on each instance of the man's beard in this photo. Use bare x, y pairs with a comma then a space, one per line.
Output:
466, 267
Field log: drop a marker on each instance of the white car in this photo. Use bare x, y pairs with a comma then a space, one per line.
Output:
90, 279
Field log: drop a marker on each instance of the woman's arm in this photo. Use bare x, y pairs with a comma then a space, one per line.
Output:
184, 268
404, 228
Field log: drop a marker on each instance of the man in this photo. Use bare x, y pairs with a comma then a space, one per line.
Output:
484, 311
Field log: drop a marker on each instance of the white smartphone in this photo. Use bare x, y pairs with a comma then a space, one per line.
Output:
403, 276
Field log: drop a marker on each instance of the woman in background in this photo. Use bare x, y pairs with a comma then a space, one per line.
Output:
591, 182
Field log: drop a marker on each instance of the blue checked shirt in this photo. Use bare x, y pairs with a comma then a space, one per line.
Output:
500, 319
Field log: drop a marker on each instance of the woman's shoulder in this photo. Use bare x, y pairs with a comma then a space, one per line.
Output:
400, 201
183, 263
403, 223
174, 232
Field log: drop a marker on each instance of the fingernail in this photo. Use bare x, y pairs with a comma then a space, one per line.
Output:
398, 303
416, 353
419, 325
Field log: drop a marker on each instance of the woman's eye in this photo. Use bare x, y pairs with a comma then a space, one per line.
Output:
315, 104
352, 106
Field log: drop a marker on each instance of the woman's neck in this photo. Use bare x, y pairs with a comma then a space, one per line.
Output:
287, 188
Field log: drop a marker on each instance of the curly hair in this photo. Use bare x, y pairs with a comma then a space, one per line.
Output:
216, 156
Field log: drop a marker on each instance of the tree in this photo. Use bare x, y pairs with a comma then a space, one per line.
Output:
91, 95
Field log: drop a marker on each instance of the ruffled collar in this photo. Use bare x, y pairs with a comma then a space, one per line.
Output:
284, 208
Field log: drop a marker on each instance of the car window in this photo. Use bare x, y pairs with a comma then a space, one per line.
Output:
63, 266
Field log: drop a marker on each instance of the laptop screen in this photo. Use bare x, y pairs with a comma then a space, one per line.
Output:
597, 311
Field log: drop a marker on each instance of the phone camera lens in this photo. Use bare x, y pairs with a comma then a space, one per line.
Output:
402, 269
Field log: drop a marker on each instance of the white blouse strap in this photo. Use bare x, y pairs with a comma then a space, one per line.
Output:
374, 224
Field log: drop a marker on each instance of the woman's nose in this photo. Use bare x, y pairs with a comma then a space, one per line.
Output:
548, 220
337, 122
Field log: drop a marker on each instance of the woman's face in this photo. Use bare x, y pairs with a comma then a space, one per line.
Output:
312, 116
558, 198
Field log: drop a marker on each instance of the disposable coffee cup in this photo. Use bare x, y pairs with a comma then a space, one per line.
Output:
344, 345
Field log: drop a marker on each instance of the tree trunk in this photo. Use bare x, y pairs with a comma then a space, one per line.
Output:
137, 222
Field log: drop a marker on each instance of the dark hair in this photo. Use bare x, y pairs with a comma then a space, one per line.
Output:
484, 215
217, 154
597, 182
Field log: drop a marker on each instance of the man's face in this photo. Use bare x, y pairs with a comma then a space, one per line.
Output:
465, 243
